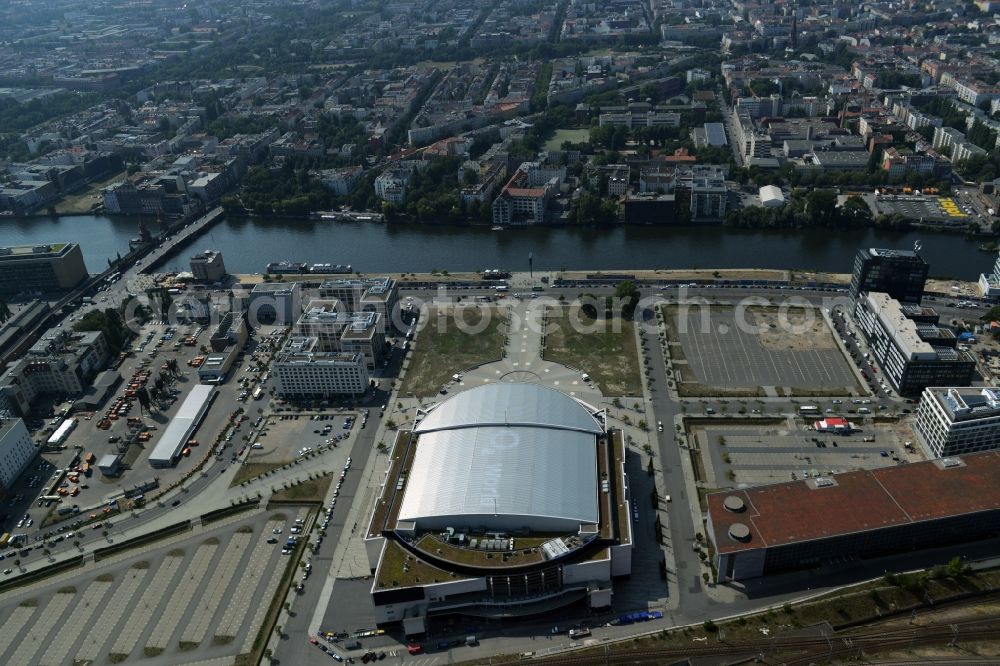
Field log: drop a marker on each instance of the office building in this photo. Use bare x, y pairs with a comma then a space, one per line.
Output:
854, 516
61, 363
208, 266
899, 273
957, 420
989, 285
231, 332
302, 371
17, 450
705, 187
338, 331
506, 499
277, 302
41, 268
912, 355
377, 294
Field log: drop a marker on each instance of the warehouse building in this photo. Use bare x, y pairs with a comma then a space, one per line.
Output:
504, 500
854, 516
183, 426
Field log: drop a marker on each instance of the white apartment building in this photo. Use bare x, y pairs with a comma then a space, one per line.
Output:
955, 421
16, 450
302, 371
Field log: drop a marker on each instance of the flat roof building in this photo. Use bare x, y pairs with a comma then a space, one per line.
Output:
278, 302
41, 268
912, 355
899, 273
302, 370
180, 429
17, 449
377, 294
61, 363
500, 499
856, 515
208, 266
338, 331
957, 420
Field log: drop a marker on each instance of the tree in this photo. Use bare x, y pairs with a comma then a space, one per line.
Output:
856, 212
628, 295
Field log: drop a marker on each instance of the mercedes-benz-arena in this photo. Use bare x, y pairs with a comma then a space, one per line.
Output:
504, 500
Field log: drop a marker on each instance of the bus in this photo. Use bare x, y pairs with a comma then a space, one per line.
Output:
501, 288
258, 393
808, 409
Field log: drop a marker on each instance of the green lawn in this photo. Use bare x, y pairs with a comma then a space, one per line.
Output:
572, 135
313, 490
442, 348
608, 354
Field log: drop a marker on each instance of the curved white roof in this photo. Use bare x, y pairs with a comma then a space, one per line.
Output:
511, 404
505, 457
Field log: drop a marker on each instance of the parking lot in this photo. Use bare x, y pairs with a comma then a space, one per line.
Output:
183, 600
720, 353
284, 438
120, 426
754, 454
922, 208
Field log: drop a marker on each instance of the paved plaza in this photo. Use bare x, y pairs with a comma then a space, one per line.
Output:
523, 361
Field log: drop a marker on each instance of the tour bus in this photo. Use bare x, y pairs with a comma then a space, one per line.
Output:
502, 288
258, 393
808, 409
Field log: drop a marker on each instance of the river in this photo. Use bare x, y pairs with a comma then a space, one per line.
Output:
249, 244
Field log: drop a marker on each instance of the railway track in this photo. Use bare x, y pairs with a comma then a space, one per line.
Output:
795, 650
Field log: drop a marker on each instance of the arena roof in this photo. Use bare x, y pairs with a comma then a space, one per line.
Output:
859, 501
505, 457
511, 405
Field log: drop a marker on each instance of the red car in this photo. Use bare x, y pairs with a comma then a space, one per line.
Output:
414, 648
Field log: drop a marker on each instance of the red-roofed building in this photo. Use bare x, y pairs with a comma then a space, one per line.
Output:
855, 515
835, 424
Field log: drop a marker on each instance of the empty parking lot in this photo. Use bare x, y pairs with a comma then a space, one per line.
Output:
734, 453
190, 598
720, 353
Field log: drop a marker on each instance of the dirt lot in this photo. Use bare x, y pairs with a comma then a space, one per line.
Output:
442, 348
608, 355
796, 329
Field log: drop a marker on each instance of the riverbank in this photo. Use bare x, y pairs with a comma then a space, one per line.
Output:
249, 244
793, 278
